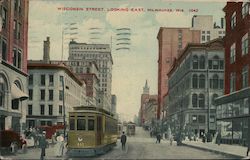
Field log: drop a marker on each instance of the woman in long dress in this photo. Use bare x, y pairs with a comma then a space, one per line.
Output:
59, 145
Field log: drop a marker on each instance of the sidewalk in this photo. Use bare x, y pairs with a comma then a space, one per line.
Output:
231, 150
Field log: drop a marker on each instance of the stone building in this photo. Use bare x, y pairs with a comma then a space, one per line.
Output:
195, 80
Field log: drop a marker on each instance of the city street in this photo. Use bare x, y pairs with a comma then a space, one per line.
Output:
140, 146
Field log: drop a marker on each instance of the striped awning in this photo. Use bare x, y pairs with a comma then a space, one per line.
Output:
17, 93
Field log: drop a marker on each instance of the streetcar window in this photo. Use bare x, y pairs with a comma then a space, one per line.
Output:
81, 124
72, 124
91, 124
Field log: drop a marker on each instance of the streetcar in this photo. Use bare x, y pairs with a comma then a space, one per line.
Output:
119, 129
130, 128
92, 131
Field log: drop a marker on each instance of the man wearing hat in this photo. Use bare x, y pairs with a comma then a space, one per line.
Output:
43, 144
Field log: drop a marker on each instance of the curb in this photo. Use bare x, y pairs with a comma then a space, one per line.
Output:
215, 151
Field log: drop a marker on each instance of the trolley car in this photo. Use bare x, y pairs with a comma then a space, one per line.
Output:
131, 128
92, 131
120, 129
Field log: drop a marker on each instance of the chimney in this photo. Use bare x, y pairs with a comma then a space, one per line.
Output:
222, 22
46, 51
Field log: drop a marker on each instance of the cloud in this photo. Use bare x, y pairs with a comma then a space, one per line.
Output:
173, 19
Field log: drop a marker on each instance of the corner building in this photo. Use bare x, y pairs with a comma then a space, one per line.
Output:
195, 80
13, 64
233, 110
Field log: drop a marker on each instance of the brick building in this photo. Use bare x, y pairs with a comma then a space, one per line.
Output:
171, 41
13, 64
233, 110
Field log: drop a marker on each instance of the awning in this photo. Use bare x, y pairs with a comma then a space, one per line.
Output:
17, 93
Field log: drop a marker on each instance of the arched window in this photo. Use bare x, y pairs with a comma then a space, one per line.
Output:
215, 81
202, 62
201, 101
194, 100
195, 81
202, 81
195, 62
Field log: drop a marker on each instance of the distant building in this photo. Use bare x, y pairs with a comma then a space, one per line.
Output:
150, 111
171, 41
101, 54
13, 64
233, 109
113, 103
148, 102
195, 80
209, 29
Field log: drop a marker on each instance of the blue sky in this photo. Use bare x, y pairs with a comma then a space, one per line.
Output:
131, 68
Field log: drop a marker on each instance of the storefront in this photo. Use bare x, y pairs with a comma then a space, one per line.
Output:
233, 118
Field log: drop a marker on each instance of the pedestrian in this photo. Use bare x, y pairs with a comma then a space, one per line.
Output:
218, 138
123, 140
158, 138
23, 144
248, 148
171, 138
59, 146
43, 145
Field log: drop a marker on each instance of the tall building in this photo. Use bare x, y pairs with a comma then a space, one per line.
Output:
209, 29
13, 64
101, 54
233, 109
195, 80
171, 41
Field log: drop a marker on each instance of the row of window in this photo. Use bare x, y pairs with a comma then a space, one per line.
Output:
17, 26
42, 95
43, 80
199, 63
244, 75
244, 13
42, 109
90, 48
200, 82
199, 100
198, 118
244, 48
82, 124
17, 54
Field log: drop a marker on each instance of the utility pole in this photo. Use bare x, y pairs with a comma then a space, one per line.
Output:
208, 105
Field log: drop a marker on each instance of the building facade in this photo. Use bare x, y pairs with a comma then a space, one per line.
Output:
195, 80
150, 112
101, 54
171, 41
233, 110
209, 29
13, 64
49, 86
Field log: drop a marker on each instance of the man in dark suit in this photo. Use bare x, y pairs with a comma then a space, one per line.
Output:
123, 140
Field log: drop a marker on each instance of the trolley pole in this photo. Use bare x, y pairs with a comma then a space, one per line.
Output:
64, 112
